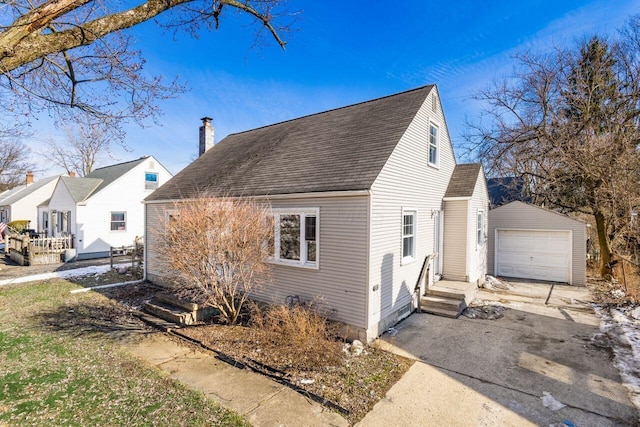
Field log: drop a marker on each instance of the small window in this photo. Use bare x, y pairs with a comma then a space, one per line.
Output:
64, 222
433, 145
150, 181
408, 236
310, 237
480, 228
45, 221
118, 221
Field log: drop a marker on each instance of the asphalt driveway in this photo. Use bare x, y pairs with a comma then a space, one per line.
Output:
517, 370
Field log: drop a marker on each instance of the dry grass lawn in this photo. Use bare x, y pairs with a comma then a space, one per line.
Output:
61, 364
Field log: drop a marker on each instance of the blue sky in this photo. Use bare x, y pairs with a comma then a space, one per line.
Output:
342, 54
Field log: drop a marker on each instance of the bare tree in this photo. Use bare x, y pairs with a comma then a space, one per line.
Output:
87, 142
566, 122
73, 57
14, 162
219, 247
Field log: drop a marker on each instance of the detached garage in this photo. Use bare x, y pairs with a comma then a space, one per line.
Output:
530, 242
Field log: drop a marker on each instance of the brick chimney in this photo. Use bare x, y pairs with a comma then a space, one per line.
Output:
72, 174
29, 178
206, 135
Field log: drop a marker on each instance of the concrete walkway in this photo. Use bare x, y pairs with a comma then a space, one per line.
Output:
261, 400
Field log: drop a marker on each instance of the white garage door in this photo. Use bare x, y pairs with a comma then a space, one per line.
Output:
534, 254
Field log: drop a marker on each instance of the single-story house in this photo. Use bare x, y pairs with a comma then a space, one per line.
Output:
530, 242
378, 188
104, 208
21, 202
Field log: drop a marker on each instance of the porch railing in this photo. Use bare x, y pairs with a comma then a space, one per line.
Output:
27, 250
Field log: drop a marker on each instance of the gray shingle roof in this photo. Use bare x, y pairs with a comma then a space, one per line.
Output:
83, 188
24, 190
108, 174
463, 180
337, 150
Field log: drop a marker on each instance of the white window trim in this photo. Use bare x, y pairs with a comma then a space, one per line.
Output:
480, 239
437, 145
404, 260
111, 221
302, 263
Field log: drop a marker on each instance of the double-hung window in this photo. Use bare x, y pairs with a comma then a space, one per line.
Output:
408, 236
433, 144
480, 227
296, 235
118, 221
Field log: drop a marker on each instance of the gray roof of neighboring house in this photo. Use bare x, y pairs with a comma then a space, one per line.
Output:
463, 181
336, 150
83, 188
11, 196
108, 174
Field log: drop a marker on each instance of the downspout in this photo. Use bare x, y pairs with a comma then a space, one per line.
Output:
368, 264
144, 245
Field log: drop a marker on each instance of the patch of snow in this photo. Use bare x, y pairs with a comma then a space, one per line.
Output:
617, 293
551, 402
392, 331
622, 327
495, 283
307, 381
66, 274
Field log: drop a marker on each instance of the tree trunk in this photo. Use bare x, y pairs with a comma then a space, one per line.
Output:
603, 242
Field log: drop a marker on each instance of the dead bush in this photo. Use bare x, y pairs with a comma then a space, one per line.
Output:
217, 246
307, 338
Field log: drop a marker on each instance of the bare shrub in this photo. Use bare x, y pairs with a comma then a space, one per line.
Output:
219, 247
301, 333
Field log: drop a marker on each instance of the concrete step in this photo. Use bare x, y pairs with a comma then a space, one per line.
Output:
156, 322
445, 293
441, 311
440, 302
169, 312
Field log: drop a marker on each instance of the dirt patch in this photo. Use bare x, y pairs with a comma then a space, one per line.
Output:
352, 382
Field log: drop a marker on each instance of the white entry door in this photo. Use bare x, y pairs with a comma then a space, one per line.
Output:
534, 254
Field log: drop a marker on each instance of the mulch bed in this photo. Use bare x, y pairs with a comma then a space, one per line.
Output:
349, 383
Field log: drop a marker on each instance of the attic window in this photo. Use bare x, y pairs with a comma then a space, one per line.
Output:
433, 144
295, 237
150, 181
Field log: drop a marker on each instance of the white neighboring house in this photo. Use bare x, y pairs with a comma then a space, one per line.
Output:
21, 202
104, 208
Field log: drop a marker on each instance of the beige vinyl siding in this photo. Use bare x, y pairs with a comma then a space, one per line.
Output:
455, 239
339, 284
405, 182
477, 255
154, 225
521, 216
340, 280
